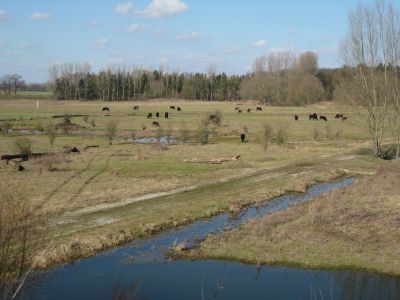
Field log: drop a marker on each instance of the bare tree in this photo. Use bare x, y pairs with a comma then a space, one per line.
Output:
212, 70
307, 63
371, 50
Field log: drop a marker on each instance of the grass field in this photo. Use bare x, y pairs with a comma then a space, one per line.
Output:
108, 195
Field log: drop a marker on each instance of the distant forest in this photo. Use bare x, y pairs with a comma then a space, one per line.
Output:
278, 79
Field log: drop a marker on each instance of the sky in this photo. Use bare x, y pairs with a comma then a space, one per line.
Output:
177, 35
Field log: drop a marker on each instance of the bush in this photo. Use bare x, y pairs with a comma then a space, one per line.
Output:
203, 133
51, 133
267, 135
215, 117
184, 133
5, 128
86, 119
93, 122
39, 126
316, 133
281, 135
111, 130
23, 145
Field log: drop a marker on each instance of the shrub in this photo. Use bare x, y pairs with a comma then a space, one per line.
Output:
184, 133
281, 135
93, 122
316, 133
86, 119
38, 126
111, 130
23, 145
215, 117
203, 133
51, 133
267, 135
338, 133
5, 128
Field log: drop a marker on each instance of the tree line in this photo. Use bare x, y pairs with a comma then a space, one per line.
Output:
78, 82
11, 83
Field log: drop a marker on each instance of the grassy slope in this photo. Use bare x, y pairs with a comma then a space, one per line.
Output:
356, 227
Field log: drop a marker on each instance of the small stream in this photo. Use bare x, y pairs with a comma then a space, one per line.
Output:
140, 269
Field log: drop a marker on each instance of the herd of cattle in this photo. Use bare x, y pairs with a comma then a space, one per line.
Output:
311, 117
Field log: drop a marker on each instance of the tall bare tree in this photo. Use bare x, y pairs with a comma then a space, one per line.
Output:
371, 50
307, 63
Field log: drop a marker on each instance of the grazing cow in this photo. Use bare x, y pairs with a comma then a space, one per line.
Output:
144, 127
178, 109
344, 118
323, 118
339, 116
172, 107
237, 108
249, 110
156, 124
259, 108
136, 107
211, 117
296, 117
242, 137
166, 115
157, 114
105, 108
239, 111
313, 117
20, 168
149, 115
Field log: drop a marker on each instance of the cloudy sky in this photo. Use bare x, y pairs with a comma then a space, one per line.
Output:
180, 35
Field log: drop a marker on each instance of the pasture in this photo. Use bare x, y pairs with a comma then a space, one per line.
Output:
112, 193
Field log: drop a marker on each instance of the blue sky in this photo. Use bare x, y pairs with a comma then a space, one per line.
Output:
180, 35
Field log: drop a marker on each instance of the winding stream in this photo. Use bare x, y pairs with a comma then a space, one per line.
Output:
140, 270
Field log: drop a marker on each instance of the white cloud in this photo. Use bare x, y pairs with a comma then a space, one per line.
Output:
94, 23
3, 15
191, 36
124, 8
229, 50
135, 27
162, 8
260, 43
40, 16
101, 44
23, 46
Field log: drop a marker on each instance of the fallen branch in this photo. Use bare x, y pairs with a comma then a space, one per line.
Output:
213, 161
24, 156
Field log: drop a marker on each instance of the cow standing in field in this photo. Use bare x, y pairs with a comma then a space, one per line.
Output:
249, 110
239, 111
178, 109
166, 115
339, 116
172, 107
136, 107
157, 114
258, 108
105, 108
242, 137
313, 116
344, 118
149, 115
237, 108
323, 118
156, 124
296, 117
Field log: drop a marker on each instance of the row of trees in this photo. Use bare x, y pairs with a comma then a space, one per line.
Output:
11, 83
78, 82
286, 79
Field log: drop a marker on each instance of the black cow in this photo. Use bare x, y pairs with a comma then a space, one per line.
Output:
105, 108
136, 107
239, 111
172, 107
242, 137
313, 117
344, 118
178, 109
157, 114
296, 117
339, 116
249, 110
259, 108
156, 124
323, 118
149, 115
166, 115
237, 108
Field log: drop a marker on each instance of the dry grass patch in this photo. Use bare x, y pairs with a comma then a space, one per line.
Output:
355, 227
